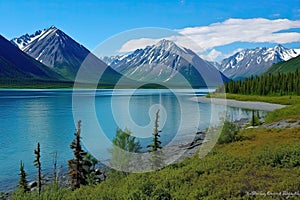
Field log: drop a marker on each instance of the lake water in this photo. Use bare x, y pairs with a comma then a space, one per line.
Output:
48, 116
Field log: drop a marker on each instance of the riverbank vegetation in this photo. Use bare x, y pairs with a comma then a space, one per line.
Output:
265, 160
291, 111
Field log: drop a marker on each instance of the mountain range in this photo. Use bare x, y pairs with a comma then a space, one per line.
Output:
56, 50
50, 54
63, 55
242, 64
168, 63
249, 62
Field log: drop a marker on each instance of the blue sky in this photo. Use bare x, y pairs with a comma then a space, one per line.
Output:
92, 22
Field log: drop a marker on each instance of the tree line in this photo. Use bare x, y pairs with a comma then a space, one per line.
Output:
82, 168
266, 84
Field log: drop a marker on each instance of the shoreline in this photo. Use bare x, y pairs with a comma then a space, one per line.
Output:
251, 105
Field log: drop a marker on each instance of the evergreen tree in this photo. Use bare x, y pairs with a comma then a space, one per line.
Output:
156, 145
267, 84
255, 119
76, 164
23, 181
89, 169
37, 164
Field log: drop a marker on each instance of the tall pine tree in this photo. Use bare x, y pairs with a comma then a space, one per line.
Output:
37, 164
156, 144
76, 164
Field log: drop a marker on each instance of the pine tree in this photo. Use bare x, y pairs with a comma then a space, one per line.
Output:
89, 169
156, 145
23, 181
37, 164
76, 164
267, 84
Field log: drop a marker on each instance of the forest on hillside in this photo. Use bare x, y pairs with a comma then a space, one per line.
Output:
267, 84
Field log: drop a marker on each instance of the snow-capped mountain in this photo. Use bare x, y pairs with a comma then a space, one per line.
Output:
55, 49
24, 40
112, 59
60, 52
16, 65
167, 63
255, 61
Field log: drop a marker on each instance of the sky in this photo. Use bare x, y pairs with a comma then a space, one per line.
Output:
217, 28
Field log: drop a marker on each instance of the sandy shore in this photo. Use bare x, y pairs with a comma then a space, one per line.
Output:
252, 105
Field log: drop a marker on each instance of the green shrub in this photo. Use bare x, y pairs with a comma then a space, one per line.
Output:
229, 133
288, 156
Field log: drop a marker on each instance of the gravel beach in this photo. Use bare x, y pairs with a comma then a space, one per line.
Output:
252, 105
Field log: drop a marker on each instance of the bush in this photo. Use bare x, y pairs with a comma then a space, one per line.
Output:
229, 133
288, 156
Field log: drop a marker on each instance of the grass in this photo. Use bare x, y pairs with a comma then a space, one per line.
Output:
284, 100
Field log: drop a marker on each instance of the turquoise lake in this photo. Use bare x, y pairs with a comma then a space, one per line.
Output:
48, 116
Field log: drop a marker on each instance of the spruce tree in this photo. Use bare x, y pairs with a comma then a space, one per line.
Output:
89, 169
37, 164
23, 181
76, 164
156, 144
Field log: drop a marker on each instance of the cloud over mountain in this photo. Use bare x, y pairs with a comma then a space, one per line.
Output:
203, 38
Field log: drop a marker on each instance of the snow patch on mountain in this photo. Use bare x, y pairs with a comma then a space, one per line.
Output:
24, 40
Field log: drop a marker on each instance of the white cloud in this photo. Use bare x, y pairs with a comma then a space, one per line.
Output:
243, 30
134, 44
183, 41
212, 55
204, 38
232, 53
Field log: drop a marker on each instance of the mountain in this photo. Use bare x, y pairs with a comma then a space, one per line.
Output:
167, 63
109, 60
285, 67
16, 65
24, 40
55, 49
64, 55
255, 61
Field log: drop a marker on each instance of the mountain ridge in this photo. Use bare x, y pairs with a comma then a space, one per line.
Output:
64, 55
57, 50
15, 64
167, 63
256, 61
285, 67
